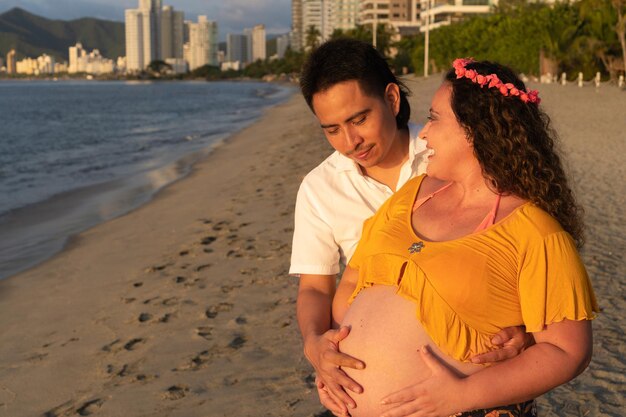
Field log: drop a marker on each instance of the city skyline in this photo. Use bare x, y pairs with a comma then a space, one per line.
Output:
233, 16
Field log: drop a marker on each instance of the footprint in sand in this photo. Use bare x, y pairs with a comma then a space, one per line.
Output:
228, 288
71, 409
203, 266
143, 317
90, 407
176, 392
221, 225
132, 344
204, 332
238, 342
208, 240
212, 311
155, 268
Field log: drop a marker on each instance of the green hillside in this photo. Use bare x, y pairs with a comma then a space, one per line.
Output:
31, 35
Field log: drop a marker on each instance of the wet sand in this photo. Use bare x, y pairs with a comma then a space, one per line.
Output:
184, 307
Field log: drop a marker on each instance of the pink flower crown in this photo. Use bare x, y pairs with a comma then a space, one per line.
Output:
492, 81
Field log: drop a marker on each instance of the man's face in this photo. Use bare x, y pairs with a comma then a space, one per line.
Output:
361, 127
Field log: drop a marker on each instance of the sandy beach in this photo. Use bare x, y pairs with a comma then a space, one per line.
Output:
184, 307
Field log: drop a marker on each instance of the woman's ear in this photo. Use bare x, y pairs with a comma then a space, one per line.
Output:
392, 97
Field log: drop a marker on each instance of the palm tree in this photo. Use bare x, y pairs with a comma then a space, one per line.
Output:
312, 39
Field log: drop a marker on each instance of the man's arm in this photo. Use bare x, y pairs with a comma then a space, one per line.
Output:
313, 306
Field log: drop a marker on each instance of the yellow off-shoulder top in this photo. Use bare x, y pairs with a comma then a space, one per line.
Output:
523, 270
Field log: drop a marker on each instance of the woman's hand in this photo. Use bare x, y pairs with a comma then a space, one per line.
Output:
439, 395
323, 353
509, 343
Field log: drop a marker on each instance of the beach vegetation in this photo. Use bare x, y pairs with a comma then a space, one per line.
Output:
573, 37
312, 38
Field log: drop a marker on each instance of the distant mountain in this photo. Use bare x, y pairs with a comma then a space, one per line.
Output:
32, 35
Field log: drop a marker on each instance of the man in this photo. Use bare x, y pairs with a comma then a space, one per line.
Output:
364, 112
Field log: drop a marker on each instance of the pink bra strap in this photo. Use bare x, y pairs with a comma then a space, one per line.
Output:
490, 219
420, 201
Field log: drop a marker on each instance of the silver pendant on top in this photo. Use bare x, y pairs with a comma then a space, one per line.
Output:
416, 247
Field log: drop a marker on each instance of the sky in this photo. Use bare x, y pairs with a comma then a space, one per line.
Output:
232, 16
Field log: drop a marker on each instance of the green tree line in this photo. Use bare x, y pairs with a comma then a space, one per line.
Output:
576, 36
580, 36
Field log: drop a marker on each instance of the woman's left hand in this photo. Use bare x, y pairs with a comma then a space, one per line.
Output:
438, 395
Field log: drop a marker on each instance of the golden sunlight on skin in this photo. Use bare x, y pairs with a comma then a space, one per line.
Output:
386, 335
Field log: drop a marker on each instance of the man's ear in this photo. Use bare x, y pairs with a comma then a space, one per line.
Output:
392, 97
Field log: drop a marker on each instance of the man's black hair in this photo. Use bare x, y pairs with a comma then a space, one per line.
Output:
340, 60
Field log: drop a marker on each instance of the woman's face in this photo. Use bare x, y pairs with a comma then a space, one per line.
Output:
452, 154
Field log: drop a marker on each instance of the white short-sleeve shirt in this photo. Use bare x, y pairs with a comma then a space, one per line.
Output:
333, 201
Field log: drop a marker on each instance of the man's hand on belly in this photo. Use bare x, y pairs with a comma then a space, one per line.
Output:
323, 353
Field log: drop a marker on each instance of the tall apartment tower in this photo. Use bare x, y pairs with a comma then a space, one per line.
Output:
76, 52
319, 15
12, 62
237, 48
436, 13
256, 42
296, 25
202, 49
345, 14
172, 29
145, 35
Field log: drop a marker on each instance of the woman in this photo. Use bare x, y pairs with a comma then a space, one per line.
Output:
486, 240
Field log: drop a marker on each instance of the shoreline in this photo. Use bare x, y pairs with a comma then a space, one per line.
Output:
183, 307
38, 231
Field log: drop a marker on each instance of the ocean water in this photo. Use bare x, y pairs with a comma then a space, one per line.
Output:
76, 153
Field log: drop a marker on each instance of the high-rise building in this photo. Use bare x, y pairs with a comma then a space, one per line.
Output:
153, 32
345, 14
172, 27
76, 52
296, 25
312, 20
237, 48
12, 62
202, 49
256, 42
91, 63
151, 36
282, 43
318, 16
134, 40
444, 12
374, 12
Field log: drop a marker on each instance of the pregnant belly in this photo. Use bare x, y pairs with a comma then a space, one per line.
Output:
385, 334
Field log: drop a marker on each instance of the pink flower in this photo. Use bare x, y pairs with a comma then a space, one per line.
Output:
495, 81
533, 96
492, 81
